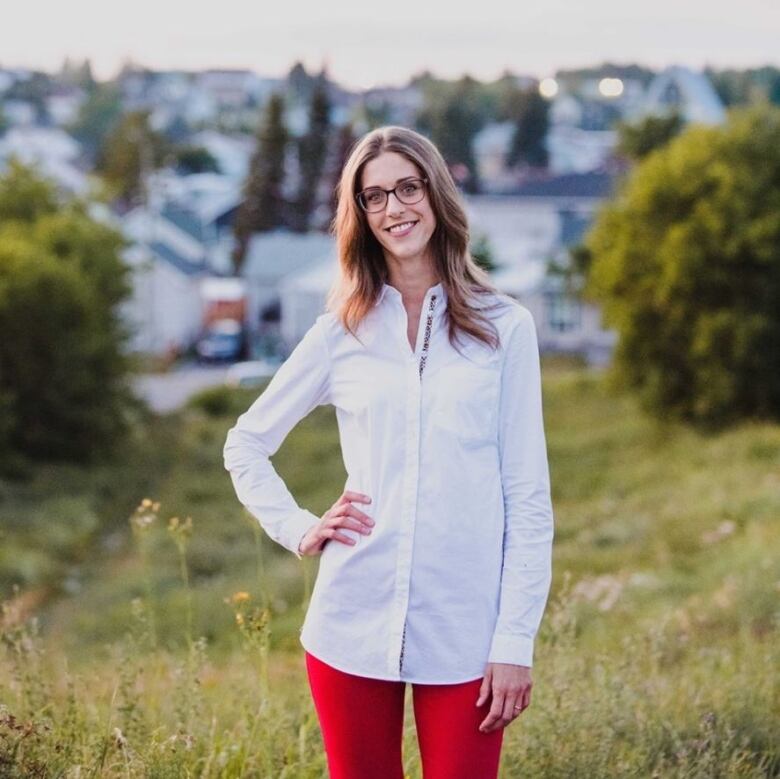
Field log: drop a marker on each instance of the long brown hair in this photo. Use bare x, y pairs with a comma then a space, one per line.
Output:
362, 266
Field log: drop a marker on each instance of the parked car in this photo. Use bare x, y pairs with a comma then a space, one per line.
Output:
223, 340
252, 373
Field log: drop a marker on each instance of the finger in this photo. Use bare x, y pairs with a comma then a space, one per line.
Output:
350, 510
358, 496
353, 524
331, 532
339, 518
494, 715
484, 689
510, 702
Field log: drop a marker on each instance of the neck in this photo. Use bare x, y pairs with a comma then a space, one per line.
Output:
412, 278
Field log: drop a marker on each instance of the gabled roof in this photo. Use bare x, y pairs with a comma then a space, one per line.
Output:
593, 184
165, 253
689, 91
272, 255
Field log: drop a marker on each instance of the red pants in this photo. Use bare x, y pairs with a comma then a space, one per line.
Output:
362, 726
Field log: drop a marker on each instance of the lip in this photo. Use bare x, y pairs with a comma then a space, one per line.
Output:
404, 232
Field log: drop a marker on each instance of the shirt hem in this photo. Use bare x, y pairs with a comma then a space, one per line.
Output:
340, 667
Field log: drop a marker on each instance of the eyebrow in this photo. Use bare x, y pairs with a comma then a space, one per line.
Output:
376, 186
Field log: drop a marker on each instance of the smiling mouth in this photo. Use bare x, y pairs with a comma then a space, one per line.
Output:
403, 230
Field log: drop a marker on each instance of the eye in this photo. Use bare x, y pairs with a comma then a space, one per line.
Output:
410, 188
373, 196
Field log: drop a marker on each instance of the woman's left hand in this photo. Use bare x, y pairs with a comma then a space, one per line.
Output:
511, 687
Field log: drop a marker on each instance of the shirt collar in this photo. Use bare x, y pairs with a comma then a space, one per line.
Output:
438, 289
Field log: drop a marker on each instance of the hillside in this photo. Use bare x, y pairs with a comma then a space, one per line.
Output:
657, 655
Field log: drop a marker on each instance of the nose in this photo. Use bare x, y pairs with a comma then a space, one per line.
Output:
394, 209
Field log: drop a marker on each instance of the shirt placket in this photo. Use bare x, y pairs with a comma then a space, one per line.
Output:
414, 367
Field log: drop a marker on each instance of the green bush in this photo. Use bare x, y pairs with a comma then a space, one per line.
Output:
63, 388
686, 266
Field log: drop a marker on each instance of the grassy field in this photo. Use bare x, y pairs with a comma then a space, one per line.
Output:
146, 646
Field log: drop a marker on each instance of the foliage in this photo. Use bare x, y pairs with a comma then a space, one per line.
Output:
686, 264
452, 114
263, 204
215, 401
62, 370
343, 143
656, 657
529, 111
312, 152
97, 116
482, 252
131, 151
639, 139
746, 87
195, 159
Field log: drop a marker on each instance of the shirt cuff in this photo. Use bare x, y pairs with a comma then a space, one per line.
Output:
515, 650
296, 528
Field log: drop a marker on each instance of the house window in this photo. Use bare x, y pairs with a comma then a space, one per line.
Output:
563, 313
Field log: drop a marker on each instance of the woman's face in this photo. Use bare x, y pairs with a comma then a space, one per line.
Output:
386, 171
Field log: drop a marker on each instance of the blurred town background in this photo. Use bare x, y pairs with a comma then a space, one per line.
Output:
175, 160
164, 244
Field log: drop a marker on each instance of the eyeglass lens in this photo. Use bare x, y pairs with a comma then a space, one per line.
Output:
407, 192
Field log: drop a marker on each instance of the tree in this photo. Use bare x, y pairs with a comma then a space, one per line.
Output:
686, 264
636, 141
97, 117
131, 151
345, 140
482, 252
529, 113
312, 151
263, 205
451, 116
63, 371
195, 159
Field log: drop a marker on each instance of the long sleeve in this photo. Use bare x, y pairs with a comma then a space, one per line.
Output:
528, 530
300, 384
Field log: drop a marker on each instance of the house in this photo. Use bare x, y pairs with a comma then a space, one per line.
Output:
165, 310
302, 296
232, 152
271, 257
168, 264
691, 94
64, 104
50, 150
203, 206
491, 147
528, 229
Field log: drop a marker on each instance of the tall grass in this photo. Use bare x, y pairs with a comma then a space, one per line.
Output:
657, 657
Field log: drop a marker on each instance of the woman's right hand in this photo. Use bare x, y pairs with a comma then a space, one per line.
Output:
341, 514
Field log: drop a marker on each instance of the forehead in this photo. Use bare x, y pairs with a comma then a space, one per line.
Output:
385, 170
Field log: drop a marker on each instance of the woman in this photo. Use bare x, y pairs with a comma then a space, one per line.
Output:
435, 562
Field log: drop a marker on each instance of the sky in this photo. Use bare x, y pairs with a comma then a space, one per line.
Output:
372, 43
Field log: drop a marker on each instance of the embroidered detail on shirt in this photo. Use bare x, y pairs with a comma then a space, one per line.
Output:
427, 337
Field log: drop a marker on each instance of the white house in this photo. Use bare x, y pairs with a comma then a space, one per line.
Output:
168, 264
302, 296
51, 151
271, 257
165, 310
678, 88
527, 230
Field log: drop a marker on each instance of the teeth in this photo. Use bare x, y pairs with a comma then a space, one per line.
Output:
399, 228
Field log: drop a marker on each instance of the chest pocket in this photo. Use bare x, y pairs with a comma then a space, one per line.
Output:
465, 402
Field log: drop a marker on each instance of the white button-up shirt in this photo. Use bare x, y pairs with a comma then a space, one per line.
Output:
457, 569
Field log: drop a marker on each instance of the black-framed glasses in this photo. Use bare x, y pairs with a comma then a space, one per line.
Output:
408, 192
